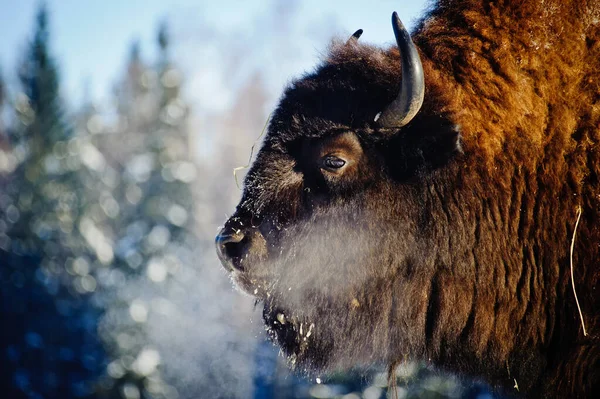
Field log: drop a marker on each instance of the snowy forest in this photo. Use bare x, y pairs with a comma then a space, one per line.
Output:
109, 285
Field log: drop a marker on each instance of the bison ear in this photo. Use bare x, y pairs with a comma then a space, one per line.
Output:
428, 144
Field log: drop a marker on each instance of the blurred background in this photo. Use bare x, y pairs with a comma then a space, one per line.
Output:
121, 123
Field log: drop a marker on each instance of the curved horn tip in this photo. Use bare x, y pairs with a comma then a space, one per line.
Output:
410, 98
355, 36
398, 27
395, 18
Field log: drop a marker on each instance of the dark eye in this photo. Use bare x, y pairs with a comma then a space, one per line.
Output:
332, 162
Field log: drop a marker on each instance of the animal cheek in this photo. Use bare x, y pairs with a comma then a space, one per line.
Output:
281, 189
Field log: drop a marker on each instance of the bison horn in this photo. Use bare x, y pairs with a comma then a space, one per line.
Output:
355, 36
412, 89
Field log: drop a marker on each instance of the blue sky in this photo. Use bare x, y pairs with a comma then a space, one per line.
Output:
91, 38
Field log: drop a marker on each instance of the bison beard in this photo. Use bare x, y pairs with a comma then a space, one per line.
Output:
374, 237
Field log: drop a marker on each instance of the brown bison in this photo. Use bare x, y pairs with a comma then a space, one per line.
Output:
420, 202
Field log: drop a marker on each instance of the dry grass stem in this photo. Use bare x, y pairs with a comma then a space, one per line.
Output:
572, 276
235, 170
392, 381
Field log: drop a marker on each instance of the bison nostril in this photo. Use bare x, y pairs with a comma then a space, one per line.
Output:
236, 249
231, 247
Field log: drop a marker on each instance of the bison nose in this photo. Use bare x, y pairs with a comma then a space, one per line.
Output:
231, 248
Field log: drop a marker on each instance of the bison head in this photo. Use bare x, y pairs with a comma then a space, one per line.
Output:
333, 231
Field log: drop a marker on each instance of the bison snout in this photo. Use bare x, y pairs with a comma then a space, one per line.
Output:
237, 247
231, 248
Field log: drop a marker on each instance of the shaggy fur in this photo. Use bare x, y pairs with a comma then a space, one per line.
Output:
449, 239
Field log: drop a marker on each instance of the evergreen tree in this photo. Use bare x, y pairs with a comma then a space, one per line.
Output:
48, 335
154, 241
40, 84
47, 174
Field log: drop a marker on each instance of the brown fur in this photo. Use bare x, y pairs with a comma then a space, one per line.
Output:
471, 269
522, 80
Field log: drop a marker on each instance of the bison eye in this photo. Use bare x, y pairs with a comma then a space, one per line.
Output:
332, 162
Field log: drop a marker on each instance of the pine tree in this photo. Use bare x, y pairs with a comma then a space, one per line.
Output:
47, 266
153, 233
43, 133
40, 83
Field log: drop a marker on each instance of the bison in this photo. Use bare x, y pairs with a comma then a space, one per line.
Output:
438, 200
